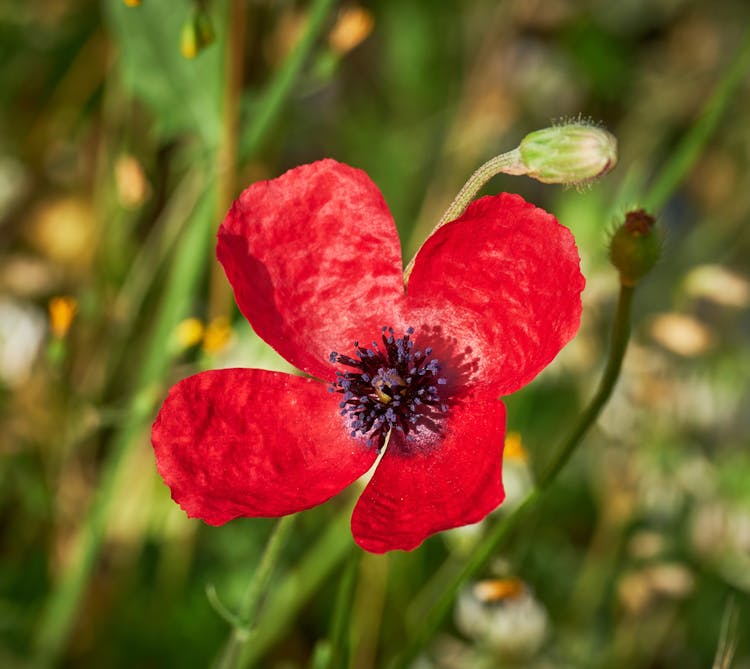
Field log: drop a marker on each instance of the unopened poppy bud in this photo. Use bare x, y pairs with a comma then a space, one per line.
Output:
572, 154
635, 247
197, 33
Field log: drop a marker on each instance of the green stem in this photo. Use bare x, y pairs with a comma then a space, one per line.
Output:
502, 530
284, 80
728, 635
59, 616
257, 586
157, 248
239, 638
618, 345
479, 557
339, 635
508, 163
300, 583
689, 149
505, 162
684, 157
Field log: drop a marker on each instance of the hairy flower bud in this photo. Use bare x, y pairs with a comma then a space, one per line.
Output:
572, 154
635, 247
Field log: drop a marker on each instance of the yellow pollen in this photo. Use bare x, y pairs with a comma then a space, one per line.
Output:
62, 310
379, 383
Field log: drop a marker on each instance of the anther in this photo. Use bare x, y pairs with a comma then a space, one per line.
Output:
395, 387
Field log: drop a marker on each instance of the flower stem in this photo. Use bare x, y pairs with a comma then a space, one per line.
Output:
233, 655
503, 529
283, 81
299, 584
479, 557
618, 345
338, 640
507, 163
672, 174
58, 617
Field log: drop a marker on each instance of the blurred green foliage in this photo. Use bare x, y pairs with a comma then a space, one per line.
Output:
118, 158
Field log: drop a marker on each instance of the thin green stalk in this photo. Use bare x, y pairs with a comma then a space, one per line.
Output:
689, 149
683, 158
299, 585
505, 162
258, 583
284, 80
504, 528
618, 345
728, 636
339, 636
59, 616
495, 539
240, 636
144, 270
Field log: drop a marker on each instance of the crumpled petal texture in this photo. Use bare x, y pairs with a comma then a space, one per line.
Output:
313, 257
246, 442
419, 489
315, 263
513, 272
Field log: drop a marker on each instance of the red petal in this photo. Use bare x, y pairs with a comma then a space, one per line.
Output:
511, 273
246, 442
434, 484
314, 259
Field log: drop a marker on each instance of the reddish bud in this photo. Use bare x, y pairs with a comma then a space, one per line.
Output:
635, 247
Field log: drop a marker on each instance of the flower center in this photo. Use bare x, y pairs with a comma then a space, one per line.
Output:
393, 387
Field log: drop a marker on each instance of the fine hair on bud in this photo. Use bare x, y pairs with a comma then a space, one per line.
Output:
573, 153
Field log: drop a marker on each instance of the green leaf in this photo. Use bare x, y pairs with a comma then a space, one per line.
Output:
184, 95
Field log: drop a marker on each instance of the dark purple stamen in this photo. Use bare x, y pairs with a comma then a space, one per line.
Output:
394, 388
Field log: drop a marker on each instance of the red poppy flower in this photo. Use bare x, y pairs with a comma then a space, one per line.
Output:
315, 262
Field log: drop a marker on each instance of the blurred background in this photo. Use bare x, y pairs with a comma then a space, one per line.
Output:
126, 129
